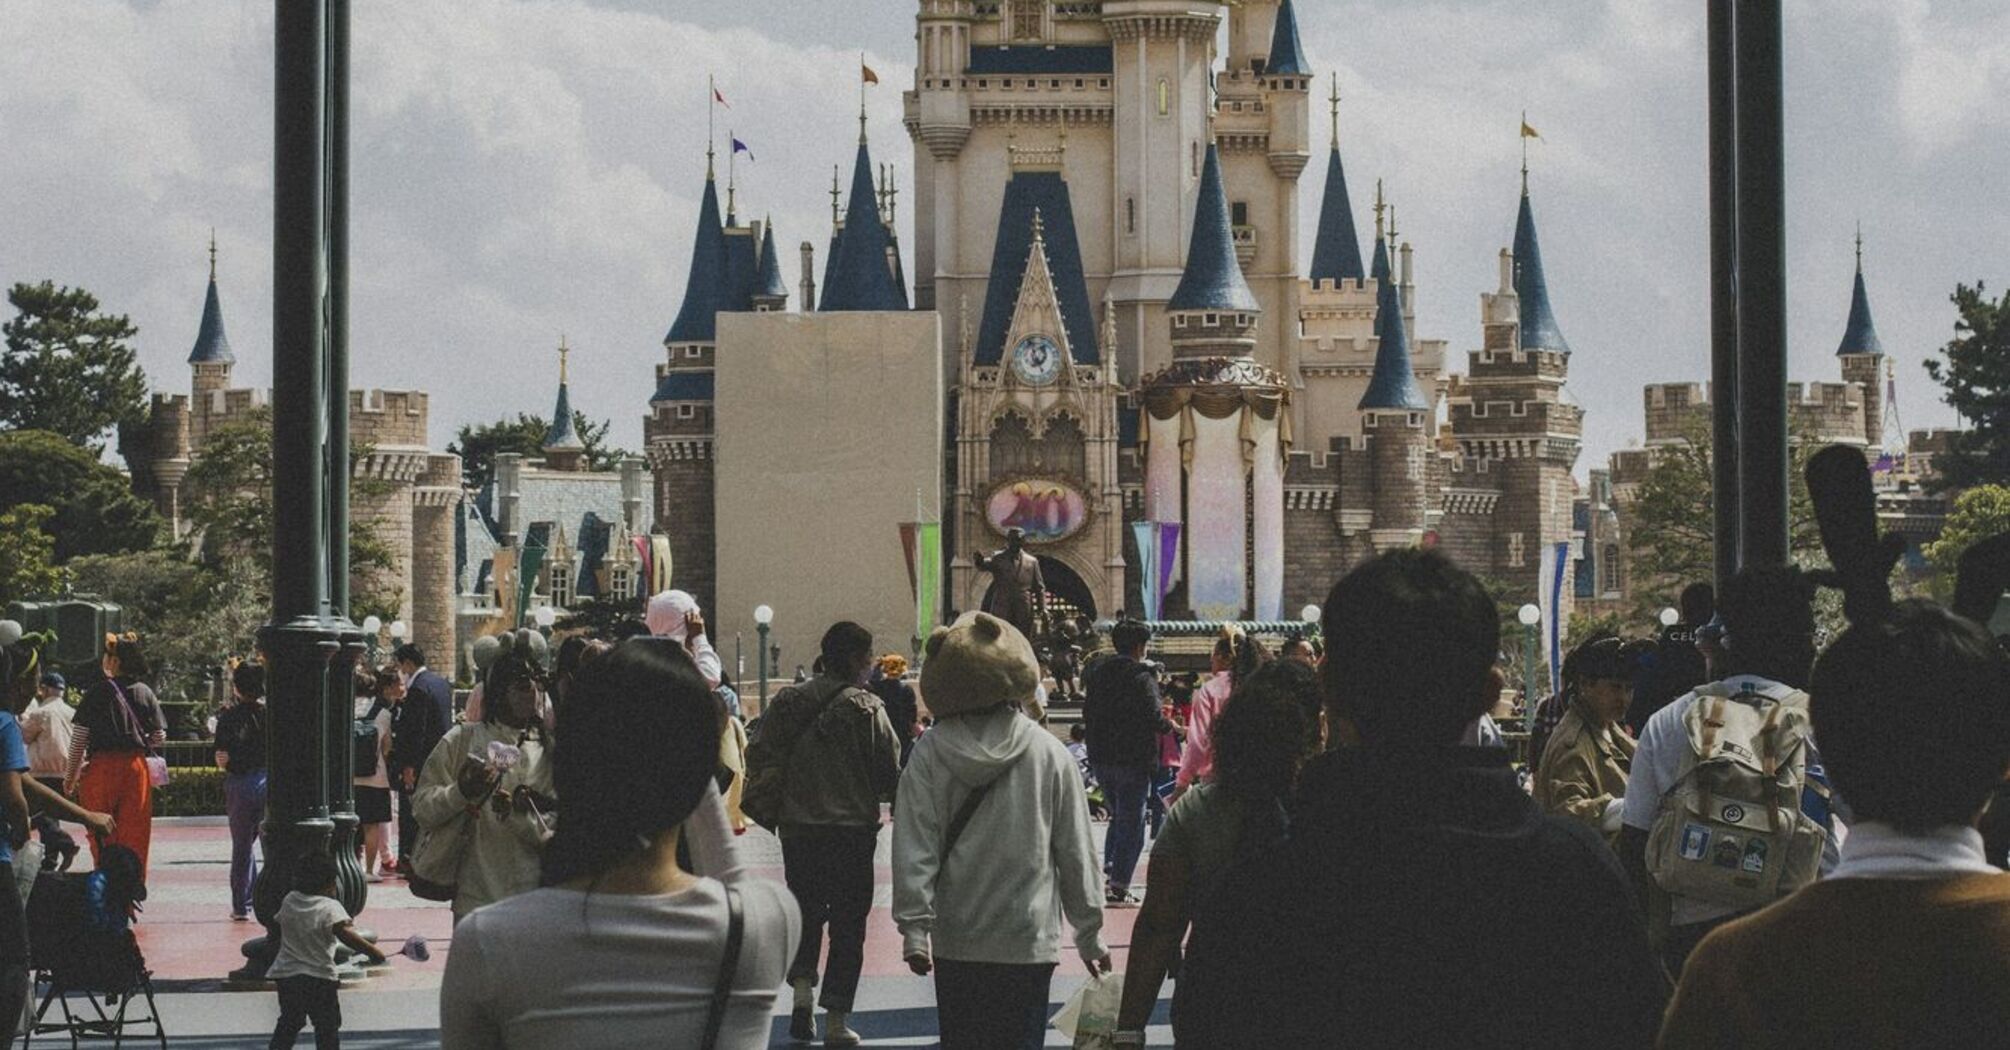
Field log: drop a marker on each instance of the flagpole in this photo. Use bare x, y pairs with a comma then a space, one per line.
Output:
711, 113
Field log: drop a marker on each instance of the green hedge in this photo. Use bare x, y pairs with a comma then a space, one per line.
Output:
191, 791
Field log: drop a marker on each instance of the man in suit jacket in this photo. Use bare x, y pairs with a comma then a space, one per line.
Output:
422, 718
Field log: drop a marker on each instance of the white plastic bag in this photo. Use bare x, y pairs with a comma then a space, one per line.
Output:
1089, 1017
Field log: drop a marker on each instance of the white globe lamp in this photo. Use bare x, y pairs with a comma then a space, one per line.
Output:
1529, 615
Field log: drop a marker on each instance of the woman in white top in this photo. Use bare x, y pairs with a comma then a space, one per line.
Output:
373, 789
513, 809
622, 947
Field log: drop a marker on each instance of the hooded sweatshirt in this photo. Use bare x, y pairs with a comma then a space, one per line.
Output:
1024, 861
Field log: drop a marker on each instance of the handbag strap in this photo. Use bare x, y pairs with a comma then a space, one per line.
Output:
963, 814
729, 965
145, 735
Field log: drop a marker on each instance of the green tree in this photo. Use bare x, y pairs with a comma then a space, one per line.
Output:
95, 509
28, 567
1976, 373
1979, 513
228, 495
68, 368
479, 444
192, 616
1671, 532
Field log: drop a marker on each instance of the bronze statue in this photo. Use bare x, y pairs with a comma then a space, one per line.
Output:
1018, 593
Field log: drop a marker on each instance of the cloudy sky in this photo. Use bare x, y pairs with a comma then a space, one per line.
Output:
530, 167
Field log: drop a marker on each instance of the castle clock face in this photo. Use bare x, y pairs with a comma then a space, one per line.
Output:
1036, 360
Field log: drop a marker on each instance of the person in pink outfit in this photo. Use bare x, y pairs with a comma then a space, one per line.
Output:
1235, 656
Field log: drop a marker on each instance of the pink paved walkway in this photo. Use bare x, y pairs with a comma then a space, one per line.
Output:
187, 935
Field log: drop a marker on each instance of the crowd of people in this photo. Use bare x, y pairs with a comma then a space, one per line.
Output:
1719, 837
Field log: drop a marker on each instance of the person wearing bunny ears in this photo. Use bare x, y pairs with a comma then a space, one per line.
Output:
991, 843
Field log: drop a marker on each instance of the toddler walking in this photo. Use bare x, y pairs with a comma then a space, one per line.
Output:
311, 922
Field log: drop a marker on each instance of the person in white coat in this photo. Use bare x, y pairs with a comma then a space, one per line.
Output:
991, 844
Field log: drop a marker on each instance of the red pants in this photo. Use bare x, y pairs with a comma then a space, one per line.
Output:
117, 783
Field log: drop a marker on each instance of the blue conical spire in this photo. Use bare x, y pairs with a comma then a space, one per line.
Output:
705, 290
770, 284
858, 277
1539, 330
561, 435
212, 347
1336, 252
1393, 386
1287, 56
1859, 335
1213, 278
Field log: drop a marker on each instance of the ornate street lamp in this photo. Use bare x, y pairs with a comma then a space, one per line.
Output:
763, 617
1529, 615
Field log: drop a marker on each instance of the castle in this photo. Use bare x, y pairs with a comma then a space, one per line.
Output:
1106, 224
415, 510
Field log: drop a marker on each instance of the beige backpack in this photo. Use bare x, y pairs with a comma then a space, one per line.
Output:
1731, 831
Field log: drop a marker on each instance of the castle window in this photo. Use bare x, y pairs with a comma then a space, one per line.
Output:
1130, 215
1239, 213
1011, 447
1078, 82
1165, 97
1196, 158
1608, 568
984, 83
1027, 19
621, 582
1515, 550
687, 411
692, 351
1211, 320
1064, 449
558, 583
1103, 83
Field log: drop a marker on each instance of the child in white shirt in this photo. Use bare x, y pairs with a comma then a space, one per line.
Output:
311, 923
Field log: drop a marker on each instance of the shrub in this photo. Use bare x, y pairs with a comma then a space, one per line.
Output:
195, 791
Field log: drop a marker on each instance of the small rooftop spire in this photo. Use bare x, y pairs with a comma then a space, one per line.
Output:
562, 435
1336, 250
212, 346
212, 251
1213, 279
1287, 55
563, 352
835, 194
1334, 99
705, 287
860, 276
1392, 387
1539, 330
1860, 333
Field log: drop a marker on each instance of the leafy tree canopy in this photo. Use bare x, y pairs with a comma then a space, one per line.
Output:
67, 368
479, 444
193, 617
95, 511
28, 567
1979, 513
1976, 373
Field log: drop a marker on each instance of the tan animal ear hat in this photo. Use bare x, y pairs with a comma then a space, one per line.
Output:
975, 664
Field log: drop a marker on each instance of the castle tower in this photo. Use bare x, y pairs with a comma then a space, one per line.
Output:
1862, 356
209, 360
1516, 433
678, 430
1036, 407
1262, 125
1393, 412
563, 450
1216, 428
770, 293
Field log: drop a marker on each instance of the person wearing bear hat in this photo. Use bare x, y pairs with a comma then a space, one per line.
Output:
991, 843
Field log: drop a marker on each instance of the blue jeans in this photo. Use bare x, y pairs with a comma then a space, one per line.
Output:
1124, 790
244, 800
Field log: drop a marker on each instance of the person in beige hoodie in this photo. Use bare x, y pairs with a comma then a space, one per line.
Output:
991, 843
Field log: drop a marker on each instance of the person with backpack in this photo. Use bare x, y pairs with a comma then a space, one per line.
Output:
991, 844
119, 727
824, 759
372, 770
1420, 899
1727, 809
1907, 941
1266, 734
1124, 720
240, 753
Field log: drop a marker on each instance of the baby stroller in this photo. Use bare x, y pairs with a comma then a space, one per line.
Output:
85, 958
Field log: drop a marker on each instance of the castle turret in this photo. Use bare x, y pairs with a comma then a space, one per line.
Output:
1862, 355
1392, 418
1217, 429
1287, 55
1336, 250
563, 450
1539, 330
860, 274
210, 358
770, 294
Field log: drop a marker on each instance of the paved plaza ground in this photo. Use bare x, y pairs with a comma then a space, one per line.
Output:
191, 944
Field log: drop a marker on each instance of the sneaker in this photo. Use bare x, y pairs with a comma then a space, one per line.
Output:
837, 1032
1119, 897
238, 916
802, 1025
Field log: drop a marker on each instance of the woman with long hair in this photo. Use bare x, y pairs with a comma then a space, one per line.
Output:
1236, 656
1264, 737
118, 725
497, 774
622, 947
240, 753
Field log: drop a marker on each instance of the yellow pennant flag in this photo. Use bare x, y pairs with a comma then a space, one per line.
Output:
1529, 132
866, 72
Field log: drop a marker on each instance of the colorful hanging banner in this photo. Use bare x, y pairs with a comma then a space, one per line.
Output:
1158, 554
1169, 534
928, 578
643, 558
659, 563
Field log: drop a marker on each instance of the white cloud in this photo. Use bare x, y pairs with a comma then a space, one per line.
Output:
525, 167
